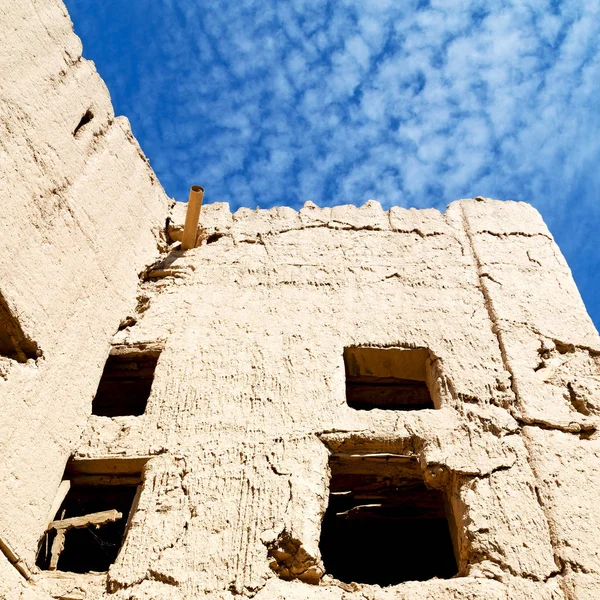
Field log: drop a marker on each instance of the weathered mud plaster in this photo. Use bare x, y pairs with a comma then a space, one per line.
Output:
82, 216
248, 400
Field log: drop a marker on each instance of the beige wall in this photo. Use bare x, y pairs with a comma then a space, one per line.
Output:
82, 216
249, 396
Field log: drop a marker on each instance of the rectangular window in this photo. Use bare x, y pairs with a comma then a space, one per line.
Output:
126, 381
96, 500
383, 524
387, 378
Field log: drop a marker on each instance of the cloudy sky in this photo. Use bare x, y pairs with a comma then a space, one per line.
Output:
410, 102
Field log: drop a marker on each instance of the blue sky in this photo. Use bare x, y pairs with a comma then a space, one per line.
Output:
412, 102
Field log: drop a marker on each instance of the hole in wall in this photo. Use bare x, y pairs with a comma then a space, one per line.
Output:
387, 378
13, 342
88, 529
214, 237
383, 525
126, 381
87, 117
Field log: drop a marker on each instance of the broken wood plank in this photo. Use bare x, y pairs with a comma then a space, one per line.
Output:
106, 465
58, 546
61, 494
96, 519
13, 557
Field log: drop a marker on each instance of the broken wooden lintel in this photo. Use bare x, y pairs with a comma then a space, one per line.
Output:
383, 456
132, 480
96, 519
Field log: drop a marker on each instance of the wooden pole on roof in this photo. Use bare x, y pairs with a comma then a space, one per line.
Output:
192, 216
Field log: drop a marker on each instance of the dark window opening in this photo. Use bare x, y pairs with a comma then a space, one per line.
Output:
13, 342
383, 525
126, 382
387, 378
91, 522
87, 117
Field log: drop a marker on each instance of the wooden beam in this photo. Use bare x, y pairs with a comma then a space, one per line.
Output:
129, 480
58, 546
106, 465
96, 519
61, 494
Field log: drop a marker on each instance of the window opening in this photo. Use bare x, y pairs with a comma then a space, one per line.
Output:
126, 382
88, 529
383, 525
13, 342
387, 378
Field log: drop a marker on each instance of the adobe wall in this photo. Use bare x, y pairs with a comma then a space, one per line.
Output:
82, 215
248, 400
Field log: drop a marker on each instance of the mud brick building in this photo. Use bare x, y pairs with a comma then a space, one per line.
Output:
326, 404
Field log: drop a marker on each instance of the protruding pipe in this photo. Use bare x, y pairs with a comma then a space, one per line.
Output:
192, 216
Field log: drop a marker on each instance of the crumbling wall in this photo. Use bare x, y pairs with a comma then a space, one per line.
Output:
552, 351
82, 216
248, 401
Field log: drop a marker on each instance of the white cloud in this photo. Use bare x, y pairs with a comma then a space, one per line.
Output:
358, 49
340, 101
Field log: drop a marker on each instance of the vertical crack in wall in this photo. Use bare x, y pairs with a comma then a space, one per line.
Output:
489, 304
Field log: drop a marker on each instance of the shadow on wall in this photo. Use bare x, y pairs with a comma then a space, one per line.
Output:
14, 343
